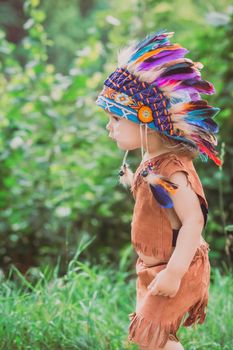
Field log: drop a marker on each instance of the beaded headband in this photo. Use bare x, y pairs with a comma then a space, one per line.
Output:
148, 88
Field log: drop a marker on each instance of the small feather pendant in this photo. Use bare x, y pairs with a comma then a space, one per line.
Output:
161, 188
161, 196
126, 175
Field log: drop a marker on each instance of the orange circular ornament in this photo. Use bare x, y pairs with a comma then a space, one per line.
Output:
145, 114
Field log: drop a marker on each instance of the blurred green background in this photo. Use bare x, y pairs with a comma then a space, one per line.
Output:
59, 181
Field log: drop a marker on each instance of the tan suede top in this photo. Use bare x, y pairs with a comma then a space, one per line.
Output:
151, 231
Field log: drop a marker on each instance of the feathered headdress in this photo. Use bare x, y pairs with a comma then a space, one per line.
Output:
156, 85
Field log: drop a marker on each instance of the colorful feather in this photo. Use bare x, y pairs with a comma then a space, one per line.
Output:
207, 124
161, 196
199, 108
216, 159
155, 73
180, 71
190, 85
149, 43
160, 37
164, 57
201, 86
161, 187
195, 118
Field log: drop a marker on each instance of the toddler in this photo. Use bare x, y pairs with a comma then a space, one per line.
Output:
154, 104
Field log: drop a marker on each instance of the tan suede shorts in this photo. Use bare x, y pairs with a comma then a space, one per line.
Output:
158, 318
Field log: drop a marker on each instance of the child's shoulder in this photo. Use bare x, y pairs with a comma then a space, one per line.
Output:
166, 164
179, 167
171, 162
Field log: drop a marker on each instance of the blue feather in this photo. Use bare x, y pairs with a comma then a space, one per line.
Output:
208, 112
203, 157
162, 196
147, 48
148, 39
206, 123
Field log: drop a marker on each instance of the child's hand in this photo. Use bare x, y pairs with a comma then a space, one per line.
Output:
165, 284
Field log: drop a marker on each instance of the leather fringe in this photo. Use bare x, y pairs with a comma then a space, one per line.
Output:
151, 251
145, 249
149, 334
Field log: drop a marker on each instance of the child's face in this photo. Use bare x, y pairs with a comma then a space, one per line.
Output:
124, 132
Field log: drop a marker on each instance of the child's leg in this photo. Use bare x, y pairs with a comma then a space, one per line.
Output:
170, 345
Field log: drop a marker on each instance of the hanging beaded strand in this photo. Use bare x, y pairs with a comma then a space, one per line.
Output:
146, 169
125, 173
141, 140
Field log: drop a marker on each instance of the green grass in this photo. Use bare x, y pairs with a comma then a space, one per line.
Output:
88, 309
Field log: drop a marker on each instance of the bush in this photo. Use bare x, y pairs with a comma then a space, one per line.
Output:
58, 168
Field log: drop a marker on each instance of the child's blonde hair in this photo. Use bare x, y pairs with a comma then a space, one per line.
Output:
178, 147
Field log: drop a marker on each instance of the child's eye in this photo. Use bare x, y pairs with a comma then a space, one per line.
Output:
116, 118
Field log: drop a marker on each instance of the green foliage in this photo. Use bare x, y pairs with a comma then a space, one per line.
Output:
54, 157
85, 309
88, 308
58, 167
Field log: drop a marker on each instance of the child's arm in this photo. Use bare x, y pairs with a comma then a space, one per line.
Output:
187, 207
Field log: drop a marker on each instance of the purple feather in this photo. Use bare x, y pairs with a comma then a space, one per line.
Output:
191, 86
163, 57
178, 66
202, 86
195, 96
181, 71
166, 51
163, 80
177, 69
